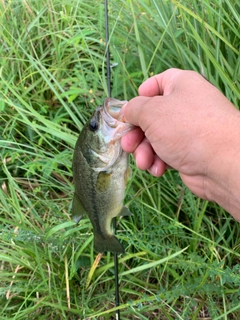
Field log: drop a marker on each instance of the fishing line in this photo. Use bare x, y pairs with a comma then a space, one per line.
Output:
109, 94
107, 49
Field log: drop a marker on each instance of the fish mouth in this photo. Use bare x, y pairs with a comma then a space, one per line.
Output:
113, 128
113, 108
111, 114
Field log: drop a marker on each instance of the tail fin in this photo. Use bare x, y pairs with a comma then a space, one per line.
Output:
109, 243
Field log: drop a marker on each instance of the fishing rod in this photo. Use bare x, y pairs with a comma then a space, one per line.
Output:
117, 303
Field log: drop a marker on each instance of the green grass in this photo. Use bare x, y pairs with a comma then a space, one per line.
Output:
182, 256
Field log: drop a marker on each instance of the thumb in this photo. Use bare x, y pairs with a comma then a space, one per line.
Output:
137, 111
160, 84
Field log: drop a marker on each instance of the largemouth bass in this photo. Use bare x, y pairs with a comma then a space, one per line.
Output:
100, 171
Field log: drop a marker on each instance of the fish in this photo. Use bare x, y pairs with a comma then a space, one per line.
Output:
100, 172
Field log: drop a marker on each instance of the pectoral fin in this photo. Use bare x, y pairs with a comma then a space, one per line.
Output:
77, 209
103, 181
124, 212
127, 175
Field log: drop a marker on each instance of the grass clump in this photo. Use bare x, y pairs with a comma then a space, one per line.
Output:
182, 253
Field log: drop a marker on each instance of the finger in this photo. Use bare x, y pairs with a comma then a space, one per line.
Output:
131, 140
158, 167
137, 112
159, 84
144, 155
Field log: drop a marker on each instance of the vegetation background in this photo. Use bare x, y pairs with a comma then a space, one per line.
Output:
182, 256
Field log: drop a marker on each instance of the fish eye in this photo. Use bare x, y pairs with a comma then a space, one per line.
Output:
93, 125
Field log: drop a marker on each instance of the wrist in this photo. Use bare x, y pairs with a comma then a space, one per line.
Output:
222, 184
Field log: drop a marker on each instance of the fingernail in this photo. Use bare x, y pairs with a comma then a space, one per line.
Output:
154, 170
123, 108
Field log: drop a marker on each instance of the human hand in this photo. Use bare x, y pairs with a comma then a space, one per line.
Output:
184, 122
